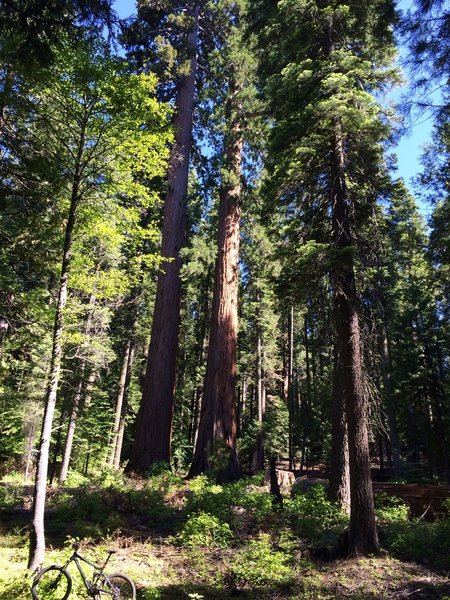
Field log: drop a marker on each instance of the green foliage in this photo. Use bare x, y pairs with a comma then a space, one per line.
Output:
389, 509
219, 500
422, 541
203, 530
90, 513
314, 518
258, 566
9, 497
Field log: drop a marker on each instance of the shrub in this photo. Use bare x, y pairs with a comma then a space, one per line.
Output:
219, 500
389, 509
10, 497
315, 518
204, 531
421, 541
259, 566
76, 479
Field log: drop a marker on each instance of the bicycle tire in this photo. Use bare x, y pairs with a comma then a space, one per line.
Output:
122, 588
52, 583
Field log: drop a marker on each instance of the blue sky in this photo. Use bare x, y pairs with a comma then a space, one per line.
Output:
409, 147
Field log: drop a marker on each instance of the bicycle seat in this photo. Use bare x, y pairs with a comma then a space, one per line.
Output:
111, 551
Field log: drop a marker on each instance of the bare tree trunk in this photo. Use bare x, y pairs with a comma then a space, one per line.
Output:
363, 538
258, 458
153, 434
124, 408
37, 536
387, 388
119, 403
290, 395
216, 441
71, 430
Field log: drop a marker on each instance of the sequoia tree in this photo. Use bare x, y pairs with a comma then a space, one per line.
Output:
152, 441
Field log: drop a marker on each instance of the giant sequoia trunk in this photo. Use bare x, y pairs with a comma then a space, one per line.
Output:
215, 450
363, 537
153, 434
37, 536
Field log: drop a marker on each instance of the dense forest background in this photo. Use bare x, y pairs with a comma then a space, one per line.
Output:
207, 257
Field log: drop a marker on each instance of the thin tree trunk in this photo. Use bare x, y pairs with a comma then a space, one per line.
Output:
216, 441
124, 408
37, 535
258, 458
387, 388
290, 395
71, 429
119, 403
363, 538
153, 434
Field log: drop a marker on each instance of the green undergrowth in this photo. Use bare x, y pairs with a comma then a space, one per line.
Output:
198, 539
426, 542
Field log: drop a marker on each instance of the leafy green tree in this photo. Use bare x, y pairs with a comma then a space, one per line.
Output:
92, 129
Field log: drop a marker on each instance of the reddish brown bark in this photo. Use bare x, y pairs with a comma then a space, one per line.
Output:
153, 434
216, 441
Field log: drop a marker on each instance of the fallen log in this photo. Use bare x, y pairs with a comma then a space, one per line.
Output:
426, 500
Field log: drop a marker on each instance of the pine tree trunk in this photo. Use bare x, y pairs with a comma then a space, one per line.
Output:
37, 535
216, 441
290, 395
363, 538
58, 444
339, 490
153, 433
119, 403
258, 458
387, 389
124, 408
71, 430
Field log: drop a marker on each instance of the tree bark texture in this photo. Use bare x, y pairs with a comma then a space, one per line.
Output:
153, 434
216, 441
124, 408
290, 392
71, 430
390, 410
119, 403
339, 490
363, 538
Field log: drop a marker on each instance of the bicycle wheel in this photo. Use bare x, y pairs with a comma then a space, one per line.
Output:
52, 583
118, 587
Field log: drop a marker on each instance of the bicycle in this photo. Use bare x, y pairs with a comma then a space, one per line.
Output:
55, 582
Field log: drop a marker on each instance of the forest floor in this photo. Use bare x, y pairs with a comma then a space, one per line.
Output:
203, 541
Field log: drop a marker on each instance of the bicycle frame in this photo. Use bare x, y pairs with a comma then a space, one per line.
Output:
77, 558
